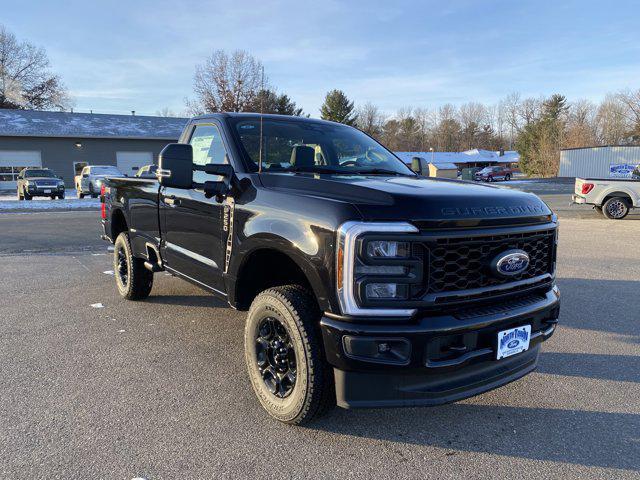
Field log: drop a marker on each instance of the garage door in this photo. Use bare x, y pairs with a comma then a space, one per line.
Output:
12, 161
130, 162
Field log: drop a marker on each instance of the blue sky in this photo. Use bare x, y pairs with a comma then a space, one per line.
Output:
118, 56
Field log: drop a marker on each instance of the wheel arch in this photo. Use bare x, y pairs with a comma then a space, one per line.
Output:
618, 193
119, 223
278, 264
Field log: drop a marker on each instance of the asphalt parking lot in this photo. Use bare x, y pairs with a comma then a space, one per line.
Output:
158, 389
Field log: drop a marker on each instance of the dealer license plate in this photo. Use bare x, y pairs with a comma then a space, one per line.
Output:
513, 341
47, 191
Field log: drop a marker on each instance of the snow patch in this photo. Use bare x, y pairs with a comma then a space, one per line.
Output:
70, 202
97, 305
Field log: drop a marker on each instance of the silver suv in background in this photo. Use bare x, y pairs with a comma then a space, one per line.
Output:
91, 178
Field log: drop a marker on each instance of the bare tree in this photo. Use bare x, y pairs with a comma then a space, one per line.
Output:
25, 78
581, 125
612, 122
226, 83
370, 120
166, 112
472, 117
631, 100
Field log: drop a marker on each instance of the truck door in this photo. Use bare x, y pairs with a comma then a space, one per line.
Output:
192, 231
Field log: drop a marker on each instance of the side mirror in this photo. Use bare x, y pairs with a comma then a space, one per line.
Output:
176, 166
416, 165
218, 188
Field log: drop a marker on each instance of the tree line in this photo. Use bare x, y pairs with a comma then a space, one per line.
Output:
538, 127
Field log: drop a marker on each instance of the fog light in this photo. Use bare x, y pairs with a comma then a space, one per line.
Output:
385, 291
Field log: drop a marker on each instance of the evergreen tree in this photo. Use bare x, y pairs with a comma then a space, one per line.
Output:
268, 101
338, 108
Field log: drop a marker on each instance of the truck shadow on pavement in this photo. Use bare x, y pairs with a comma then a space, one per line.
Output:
597, 439
601, 305
187, 300
618, 368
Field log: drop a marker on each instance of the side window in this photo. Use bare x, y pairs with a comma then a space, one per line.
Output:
207, 148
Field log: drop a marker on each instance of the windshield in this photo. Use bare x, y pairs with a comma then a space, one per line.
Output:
39, 173
105, 171
307, 146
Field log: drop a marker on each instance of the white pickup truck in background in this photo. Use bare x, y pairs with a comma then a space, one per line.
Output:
613, 197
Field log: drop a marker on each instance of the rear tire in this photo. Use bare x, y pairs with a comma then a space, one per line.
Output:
507, 177
133, 280
615, 208
290, 349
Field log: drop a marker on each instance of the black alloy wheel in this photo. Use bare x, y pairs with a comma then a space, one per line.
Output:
276, 357
122, 266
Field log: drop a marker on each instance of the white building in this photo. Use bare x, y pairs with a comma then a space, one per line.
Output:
470, 158
599, 162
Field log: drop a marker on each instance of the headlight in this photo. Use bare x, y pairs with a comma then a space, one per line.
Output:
387, 249
374, 274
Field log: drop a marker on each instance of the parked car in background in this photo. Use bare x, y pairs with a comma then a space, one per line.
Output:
92, 177
491, 174
148, 171
39, 182
612, 197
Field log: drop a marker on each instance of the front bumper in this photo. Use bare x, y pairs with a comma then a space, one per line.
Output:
45, 191
438, 359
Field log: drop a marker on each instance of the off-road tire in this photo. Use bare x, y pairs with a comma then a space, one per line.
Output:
139, 280
314, 390
616, 208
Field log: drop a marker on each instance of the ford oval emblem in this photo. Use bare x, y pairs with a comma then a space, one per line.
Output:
511, 262
513, 343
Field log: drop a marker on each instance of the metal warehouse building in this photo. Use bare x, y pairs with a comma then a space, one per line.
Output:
599, 162
66, 142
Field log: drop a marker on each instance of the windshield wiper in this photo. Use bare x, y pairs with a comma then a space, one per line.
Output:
382, 171
315, 169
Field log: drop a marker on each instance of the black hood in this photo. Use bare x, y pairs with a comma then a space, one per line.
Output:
419, 199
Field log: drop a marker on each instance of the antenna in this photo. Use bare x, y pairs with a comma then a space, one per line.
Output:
262, 93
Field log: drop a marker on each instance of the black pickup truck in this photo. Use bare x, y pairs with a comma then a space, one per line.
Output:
365, 284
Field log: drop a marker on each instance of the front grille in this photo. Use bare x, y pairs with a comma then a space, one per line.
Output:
46, 183
456, 264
